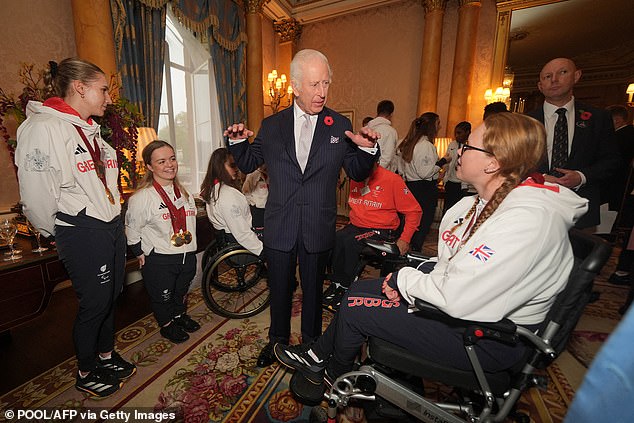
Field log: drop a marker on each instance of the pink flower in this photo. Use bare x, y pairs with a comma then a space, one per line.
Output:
233, 386
232, 333
585, 115
328, 120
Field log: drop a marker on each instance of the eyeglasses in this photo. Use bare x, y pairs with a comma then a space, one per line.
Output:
466, 147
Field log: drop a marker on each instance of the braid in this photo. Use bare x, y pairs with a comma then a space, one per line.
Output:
471, 211
498, 196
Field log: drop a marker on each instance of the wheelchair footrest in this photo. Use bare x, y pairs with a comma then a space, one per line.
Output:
306, 392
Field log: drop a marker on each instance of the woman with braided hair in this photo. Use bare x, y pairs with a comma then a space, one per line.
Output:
501, 253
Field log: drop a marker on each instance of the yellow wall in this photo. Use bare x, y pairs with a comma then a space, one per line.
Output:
33, 31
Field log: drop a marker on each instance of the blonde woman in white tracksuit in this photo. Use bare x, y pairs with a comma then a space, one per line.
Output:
68, 188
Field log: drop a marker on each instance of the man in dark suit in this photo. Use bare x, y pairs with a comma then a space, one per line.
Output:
591, 156
304, 148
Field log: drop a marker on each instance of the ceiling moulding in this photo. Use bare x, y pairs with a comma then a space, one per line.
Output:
319, 10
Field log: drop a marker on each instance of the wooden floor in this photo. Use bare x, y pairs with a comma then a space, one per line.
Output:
46, 341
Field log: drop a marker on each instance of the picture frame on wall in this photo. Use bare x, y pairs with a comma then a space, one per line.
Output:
349, 114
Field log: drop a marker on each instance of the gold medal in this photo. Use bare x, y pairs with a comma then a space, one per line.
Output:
187, 237
109, 195
177, 240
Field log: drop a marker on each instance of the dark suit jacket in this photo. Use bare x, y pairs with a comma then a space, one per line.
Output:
308, 199
593, 153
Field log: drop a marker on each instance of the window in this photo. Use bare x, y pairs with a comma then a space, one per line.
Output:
189, 117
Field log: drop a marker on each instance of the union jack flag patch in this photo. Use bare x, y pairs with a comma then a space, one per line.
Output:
482, 253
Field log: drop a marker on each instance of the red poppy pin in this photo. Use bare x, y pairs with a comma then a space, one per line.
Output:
328, 120
584, 116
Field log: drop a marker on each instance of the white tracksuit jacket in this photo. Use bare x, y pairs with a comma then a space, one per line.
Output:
231, 214
513, 266
56, 172
148, 221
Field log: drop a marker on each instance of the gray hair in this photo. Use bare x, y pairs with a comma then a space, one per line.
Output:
301, 58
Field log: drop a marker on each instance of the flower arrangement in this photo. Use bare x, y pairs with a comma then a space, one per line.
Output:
118, 124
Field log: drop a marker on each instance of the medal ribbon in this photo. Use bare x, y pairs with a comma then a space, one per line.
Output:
178, 216
95, 154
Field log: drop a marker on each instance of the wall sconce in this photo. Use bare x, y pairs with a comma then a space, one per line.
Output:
630, 92
502, 94
277, 91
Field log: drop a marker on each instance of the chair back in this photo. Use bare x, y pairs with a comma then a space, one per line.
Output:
591, 253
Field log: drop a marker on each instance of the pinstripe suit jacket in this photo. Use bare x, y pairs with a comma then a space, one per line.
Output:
593, 152
302, 203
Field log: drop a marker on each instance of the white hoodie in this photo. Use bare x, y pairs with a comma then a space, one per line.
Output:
512, 266
55, 169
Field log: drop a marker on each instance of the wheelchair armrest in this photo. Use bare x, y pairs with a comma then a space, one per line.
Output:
503, 330
383, 247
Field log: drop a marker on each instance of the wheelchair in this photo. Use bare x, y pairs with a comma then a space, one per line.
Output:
480, 396
234, 282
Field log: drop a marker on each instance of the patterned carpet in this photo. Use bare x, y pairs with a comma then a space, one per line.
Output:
213, 376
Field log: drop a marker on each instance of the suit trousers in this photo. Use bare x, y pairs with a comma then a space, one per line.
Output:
281, 271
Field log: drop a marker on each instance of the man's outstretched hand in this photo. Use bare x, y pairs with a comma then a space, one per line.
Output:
365, 138
237, 131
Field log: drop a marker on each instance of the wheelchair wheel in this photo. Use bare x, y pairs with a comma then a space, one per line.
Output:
233, 283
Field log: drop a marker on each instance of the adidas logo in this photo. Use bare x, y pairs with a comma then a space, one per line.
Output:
80, 150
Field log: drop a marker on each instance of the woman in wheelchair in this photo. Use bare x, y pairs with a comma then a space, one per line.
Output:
504, 252
227, 208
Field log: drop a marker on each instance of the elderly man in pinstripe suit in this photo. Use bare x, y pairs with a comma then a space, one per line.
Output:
304, 147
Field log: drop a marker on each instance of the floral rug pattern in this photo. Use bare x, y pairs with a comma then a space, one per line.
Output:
213, 377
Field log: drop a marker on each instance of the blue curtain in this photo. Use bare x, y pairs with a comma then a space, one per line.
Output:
139, 30
222, 24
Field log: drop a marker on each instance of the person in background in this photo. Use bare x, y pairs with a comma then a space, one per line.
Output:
366, 120
304, 148
256, 189
227, 208
376, 207
504, 253
68, 186
161, 231
619, 191
416, 163
493, 108
383, 125
581, 152
453, 185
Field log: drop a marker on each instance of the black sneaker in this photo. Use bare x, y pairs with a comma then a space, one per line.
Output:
335, 302
617, 279
329, 293
119, 367
99, 383
297, 357
187, 323
174, 333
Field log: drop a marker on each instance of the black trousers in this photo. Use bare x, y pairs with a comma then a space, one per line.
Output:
95, 261
365, 312
426, 193
348, 247
167, 279
453, 194
281, 271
